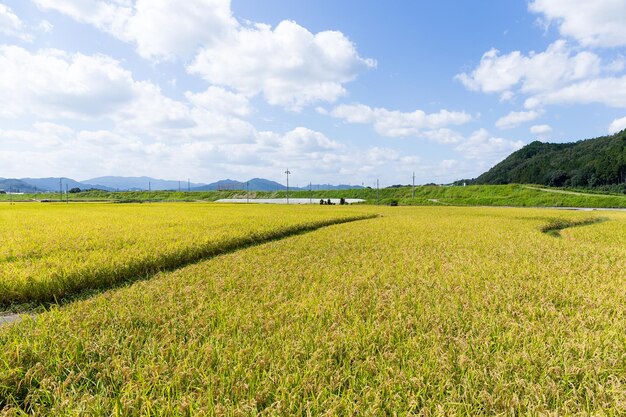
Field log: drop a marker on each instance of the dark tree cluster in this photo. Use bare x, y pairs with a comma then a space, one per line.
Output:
589, 163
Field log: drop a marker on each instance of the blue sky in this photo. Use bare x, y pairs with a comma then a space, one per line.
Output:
339, 92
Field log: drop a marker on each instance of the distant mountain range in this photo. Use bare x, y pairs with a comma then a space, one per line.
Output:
141, 183
261, 184
56, 184
111, 183
15, 185
255, 184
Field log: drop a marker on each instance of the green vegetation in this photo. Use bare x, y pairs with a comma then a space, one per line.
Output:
474, 195
555, 226
588, 163
424, 311
54, 251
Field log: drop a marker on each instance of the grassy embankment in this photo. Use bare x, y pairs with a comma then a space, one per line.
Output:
428, 311
478, 195
53, 251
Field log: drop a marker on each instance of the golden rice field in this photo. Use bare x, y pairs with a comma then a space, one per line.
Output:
433, 311
51, 251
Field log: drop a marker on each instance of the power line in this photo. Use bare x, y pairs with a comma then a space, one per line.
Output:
377, 193
287, 172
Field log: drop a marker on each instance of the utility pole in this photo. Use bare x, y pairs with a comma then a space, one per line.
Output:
67, 195
60, 189
413, 193
247, 191
310, 194
188, 185
287, 172
179, 186
149, 186
377, 193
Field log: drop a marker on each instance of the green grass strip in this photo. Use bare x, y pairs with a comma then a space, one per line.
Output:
554, 227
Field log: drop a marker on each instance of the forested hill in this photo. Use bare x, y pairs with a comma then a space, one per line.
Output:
587, 163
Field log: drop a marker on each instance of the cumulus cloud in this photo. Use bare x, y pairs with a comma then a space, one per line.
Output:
11, 25
597, 23
516, 118
486, 149
393, 123
54, 149
443, 135
289, 65
143, 130
617, 125
480, 147
300, 140
610, 91
219, 100
560, 75
53, 83
150, 110
540, 130
536, 72
160, 29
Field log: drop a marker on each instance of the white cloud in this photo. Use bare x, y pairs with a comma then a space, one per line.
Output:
45, 26
443, 135
592, 23
161, 29
480, 147
560, 75
400, 124
610, 91
52, 83
11, 25
537, 72
540, 130
301, 140
222, 101
289, 65
617, 125
516, 118
486, 149
110, 16
151, 111
56, 150
495, 73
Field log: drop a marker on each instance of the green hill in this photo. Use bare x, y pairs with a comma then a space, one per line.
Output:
586, 163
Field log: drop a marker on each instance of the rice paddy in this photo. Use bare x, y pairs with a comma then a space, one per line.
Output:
420, 311
53, 251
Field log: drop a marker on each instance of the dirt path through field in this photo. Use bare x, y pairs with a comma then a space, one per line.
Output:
549, 190
8, 319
